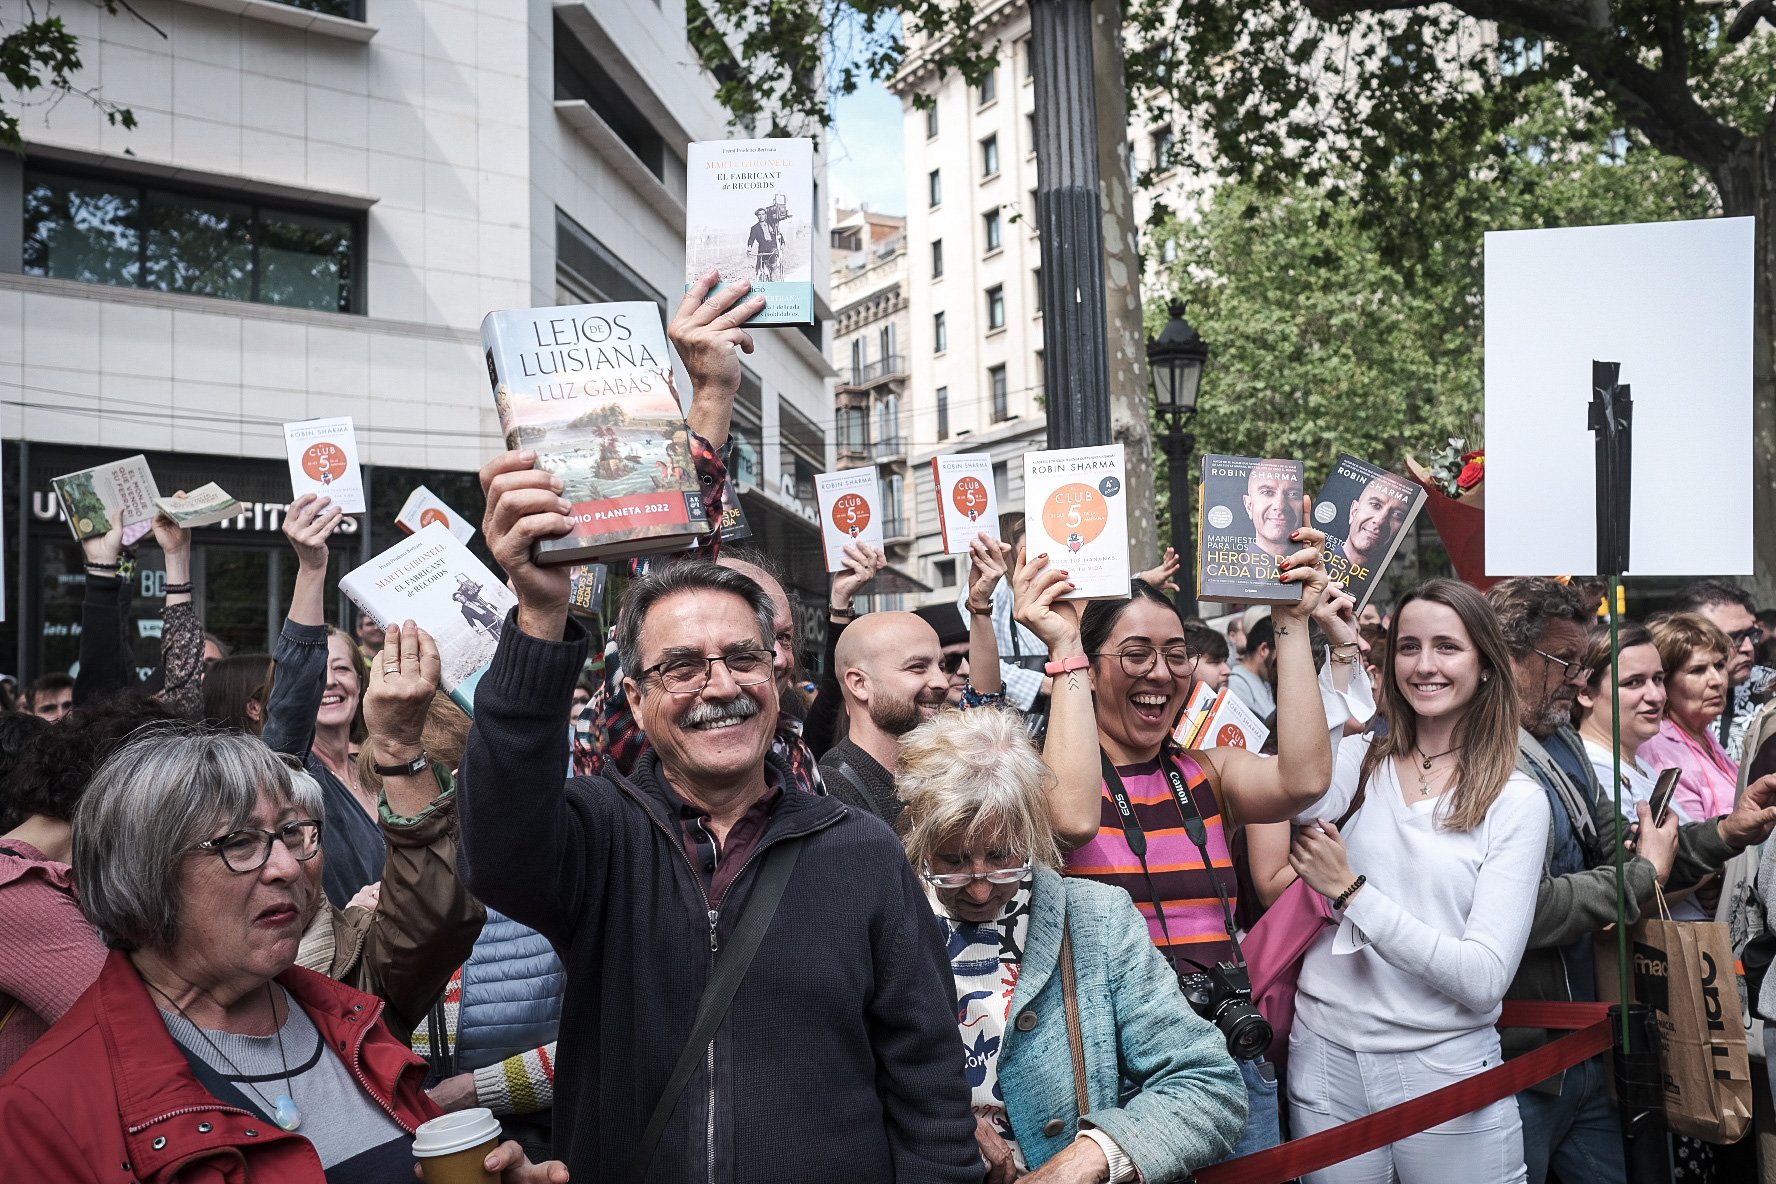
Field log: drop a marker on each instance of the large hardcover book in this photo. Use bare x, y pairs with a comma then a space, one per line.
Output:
121, 493
323, 457
434, 581
749, 212
1365, 511
1249, 506
1076, 510
589, 388
966, 501
850, 511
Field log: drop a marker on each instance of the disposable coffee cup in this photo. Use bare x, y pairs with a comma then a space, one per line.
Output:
453, 1149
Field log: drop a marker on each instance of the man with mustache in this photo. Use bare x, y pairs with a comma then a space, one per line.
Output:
645, 882
1376, 516
890, 669
1569, 1122
1273, 503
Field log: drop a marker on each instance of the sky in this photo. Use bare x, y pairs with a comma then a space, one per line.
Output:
865, 157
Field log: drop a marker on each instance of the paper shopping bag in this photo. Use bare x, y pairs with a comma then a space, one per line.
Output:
1684, 971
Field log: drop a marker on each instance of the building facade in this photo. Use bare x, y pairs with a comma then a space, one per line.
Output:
320, 202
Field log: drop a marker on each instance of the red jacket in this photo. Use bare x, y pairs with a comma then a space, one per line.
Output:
107, 1096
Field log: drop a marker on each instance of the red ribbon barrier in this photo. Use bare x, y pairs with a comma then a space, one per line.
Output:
1590, 1034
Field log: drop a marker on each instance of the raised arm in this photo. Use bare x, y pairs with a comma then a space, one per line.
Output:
1278, 789
181, 633
426, 923
707, 334
300, 658
1071, 747
522, 838
104, 658
988, 561
862, 562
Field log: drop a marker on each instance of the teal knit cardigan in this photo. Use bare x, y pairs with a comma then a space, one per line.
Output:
1191, 1104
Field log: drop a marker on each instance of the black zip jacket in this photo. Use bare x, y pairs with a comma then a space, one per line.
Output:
839, 1059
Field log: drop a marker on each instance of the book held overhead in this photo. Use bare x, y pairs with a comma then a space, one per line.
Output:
1076, 511
1248, 507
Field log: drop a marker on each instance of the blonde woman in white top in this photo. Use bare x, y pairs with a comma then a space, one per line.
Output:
1436, 878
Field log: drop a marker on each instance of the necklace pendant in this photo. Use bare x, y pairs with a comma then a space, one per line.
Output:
285, 1113
1427, 762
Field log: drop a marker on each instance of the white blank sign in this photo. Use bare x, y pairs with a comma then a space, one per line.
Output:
1670, 301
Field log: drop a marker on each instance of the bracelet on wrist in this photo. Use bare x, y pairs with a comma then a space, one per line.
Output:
177, 590
94, 565
1338, 902
1344, 659
975, 610
842, 614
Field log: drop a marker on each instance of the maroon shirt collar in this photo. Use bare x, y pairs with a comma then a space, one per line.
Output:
718, 863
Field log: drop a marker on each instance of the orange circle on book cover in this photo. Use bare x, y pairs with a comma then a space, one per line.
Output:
324, 462
970, 496
1230, 737
851, 513
434, 515
1075, 514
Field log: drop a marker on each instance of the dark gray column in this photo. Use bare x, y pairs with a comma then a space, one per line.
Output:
1076, 373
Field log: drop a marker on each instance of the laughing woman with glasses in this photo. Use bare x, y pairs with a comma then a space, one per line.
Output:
1122, 670
1052, 1078
203, 1051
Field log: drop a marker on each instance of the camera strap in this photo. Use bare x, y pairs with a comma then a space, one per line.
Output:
1194, 827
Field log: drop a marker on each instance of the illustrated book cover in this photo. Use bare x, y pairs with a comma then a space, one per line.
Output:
423, 507
1076, 510
324, 460
589, 388
749, 211
850, 511
434, 581
121, 493
966, 501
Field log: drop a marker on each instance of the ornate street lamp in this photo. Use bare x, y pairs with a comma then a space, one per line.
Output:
1176, 359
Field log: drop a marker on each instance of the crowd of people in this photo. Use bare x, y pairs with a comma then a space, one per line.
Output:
967, 912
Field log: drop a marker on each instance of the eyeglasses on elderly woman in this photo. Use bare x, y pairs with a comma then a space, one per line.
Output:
248, 849
998, 875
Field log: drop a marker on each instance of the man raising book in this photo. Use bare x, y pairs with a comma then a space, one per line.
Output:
1273, 503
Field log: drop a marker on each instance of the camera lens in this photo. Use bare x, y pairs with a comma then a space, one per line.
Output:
1248, 1033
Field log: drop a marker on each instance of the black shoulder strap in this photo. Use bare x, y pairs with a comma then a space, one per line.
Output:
718, 993
222, 1089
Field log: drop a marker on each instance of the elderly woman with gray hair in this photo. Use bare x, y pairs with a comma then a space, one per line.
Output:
1025, 945
203, 1052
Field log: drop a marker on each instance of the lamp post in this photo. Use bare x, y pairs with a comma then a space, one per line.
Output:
1176, 359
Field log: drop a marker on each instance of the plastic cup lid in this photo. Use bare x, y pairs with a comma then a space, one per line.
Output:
455, 1132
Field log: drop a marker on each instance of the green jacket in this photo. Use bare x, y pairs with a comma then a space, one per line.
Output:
1574, 907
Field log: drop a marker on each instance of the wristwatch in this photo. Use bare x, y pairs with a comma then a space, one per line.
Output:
842, 614
1076, 662
412, 768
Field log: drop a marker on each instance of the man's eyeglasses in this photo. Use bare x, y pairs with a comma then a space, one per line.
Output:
247, 850
1750, 633
999, 875
1568, 668
1139, 660
950, 663
687, 675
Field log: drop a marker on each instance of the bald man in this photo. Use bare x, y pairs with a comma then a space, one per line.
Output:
1273, 503
890, 669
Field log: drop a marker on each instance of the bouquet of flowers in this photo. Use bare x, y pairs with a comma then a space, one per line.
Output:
1456, 479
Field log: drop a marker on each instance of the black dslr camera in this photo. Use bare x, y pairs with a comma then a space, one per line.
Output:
1223, 996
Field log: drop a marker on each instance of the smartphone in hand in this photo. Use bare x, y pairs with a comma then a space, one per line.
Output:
1662, 793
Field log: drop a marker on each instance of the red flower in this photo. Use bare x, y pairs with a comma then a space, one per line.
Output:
1473, 470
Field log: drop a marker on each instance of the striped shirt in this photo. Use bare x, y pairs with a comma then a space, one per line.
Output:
1192, 910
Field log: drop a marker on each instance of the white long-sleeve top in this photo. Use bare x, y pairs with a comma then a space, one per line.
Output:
1427, 949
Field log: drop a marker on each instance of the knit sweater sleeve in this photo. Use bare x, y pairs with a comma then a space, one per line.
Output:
524, 843
1475, 968
522, 1084
1191, 1106
181, 660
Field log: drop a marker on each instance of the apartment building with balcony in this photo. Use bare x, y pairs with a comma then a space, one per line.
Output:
320, 202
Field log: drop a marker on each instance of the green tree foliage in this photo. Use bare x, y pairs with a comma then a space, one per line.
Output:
1325, 340
38, 60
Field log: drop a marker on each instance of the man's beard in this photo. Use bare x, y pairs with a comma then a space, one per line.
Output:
1555, 714
897, 717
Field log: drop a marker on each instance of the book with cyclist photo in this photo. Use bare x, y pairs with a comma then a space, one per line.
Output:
1366, 513
749, 212
589, 388
1247, 508
850, 511
434, 581
1076, 511
966, 502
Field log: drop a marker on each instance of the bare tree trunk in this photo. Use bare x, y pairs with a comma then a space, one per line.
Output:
1130, 413
1747, 185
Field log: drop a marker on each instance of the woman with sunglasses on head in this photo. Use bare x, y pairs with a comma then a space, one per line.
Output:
1121, 674
1050, 1074
1432, 869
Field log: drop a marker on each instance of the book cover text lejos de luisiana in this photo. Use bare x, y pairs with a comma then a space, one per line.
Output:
589, 388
